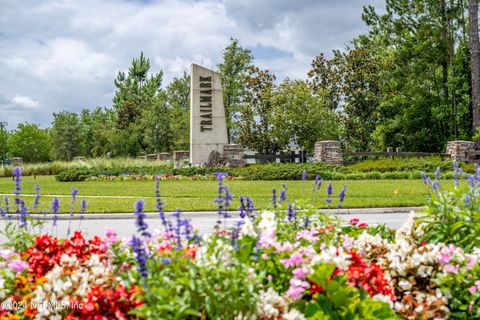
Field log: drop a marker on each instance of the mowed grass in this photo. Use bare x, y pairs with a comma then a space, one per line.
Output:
120, 196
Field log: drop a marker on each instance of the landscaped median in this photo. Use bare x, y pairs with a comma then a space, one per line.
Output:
283, 262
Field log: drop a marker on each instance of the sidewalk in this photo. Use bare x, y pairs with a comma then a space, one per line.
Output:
206, 214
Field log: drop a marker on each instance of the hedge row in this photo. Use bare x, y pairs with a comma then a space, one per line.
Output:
254, 172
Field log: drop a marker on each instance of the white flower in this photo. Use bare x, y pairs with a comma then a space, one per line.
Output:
405, 285
248, 229
267, 221
293, 314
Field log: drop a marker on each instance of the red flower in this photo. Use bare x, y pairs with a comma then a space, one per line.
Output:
371, 277
362, 225
354, 221
106, 303
47, 251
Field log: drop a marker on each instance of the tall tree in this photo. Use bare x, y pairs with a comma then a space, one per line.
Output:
474, 62
256, 130
3, 141
67, 135
136, 92
418, 42
97, 131
178, 102
302, 117
30, 142
236, 62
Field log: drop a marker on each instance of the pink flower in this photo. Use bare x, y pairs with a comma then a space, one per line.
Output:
297, 287
445, 258
477, 283
6, 253
470, 307
300, 273
450, 268
307, 235
472, 261
472, 289
18, 265
295, 259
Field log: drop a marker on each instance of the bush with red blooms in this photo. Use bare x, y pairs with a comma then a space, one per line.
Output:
370, 278
47, 251
102, 304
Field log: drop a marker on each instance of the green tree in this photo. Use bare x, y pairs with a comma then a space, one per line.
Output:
3, 141
30, 142
255, 123
474, 62
302, 116
235, 65
178, 102
420, 44
67, 135
156, 124
97, 131
136, 92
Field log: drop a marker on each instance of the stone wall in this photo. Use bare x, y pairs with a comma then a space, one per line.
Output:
165, 156
181, 158
233, 155
329, 152
460, 150
16, 161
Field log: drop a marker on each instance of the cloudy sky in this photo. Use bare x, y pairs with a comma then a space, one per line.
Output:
64, 54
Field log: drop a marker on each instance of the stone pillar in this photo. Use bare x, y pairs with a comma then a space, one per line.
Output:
208, 128
329, 152
460, 150
233, 155
181, 158
164, 156
152, 157
17, 161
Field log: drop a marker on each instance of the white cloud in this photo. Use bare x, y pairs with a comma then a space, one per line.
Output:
25, 102
66, 53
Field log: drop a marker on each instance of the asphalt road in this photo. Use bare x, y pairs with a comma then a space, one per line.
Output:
124, 224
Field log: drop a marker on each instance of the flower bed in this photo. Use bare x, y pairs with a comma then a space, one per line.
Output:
283, 262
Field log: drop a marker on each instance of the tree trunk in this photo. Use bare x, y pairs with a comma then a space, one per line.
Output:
474, 62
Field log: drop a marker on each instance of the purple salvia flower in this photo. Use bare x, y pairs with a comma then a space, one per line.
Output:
177, 228
283, 193
342, 194
7, 204
250, 206
142, 226
437, 173
55, 209
23, 214
223, 200
291, 213
307, 222
424, 177
436, 186
242, 209
72, 208
140, 256
274, 198
159, 205
36, 202
329, 189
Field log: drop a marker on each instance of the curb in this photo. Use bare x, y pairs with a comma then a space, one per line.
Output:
209, 214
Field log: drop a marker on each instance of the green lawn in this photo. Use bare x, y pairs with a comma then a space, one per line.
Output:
198, 195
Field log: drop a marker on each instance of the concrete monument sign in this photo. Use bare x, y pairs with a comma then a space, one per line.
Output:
208, 128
